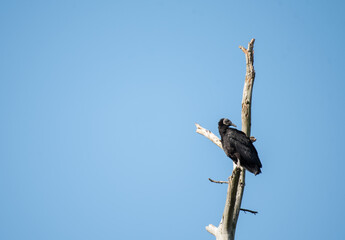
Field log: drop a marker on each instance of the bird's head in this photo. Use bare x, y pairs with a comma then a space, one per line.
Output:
225, 122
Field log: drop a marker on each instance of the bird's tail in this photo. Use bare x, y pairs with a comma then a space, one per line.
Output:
258, 171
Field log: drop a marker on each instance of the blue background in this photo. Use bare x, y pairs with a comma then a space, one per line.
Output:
98, 102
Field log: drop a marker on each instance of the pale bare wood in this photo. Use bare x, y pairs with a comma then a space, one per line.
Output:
227, 227
246, 125
212, 229
220, 182
209, 135
248, 88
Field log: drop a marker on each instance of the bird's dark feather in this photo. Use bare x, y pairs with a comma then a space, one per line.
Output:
237, 145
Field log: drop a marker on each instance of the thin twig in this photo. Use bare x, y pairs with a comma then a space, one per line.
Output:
221, 182
247, 210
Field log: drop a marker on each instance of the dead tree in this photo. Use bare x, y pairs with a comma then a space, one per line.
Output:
236, 182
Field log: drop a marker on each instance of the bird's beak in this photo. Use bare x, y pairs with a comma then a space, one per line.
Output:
234, 125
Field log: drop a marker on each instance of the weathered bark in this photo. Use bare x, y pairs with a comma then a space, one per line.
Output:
248, 88
209, 135
227, 227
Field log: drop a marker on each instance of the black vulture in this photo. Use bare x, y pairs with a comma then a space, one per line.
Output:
238, 147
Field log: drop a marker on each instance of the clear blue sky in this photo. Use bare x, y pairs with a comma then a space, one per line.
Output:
98, 102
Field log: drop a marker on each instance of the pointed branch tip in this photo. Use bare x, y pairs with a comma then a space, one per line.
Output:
243, 49
221, 182
247, 210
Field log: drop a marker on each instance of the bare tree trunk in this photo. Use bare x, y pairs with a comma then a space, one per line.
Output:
227, 227
248, 88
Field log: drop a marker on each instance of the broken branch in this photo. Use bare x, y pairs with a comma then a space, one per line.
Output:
209, 135
221, 182
247, 210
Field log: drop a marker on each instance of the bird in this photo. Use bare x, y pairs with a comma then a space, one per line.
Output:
239, 147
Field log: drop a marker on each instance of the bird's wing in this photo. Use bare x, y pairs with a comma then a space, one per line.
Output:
244, 146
